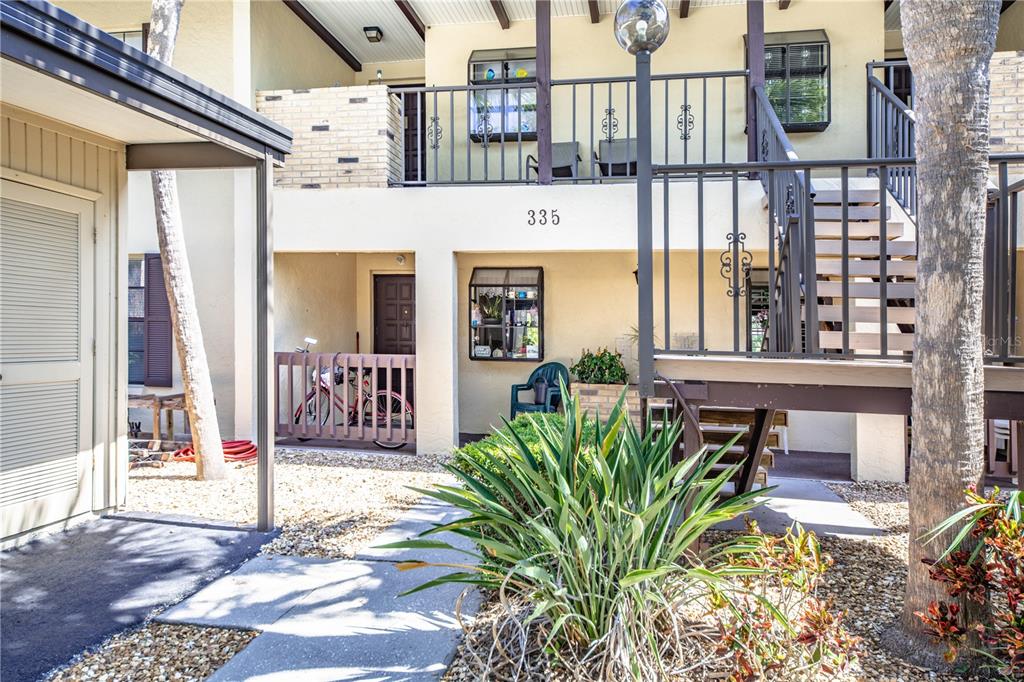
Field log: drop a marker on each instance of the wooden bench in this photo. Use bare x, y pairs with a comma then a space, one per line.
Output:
159, 404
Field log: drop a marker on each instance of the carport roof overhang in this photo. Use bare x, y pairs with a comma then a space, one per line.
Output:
59, 66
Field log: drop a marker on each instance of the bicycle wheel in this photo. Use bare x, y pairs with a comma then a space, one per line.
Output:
400, 415
306, 414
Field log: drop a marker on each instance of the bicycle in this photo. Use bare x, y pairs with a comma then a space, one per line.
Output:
360, 405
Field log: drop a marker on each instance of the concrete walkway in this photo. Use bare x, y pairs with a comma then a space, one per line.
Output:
323, 619
813, 505
69, 591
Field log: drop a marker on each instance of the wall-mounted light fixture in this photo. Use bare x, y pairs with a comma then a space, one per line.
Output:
380, 76
373, 33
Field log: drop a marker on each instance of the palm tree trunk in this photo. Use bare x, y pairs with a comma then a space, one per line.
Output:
188, 336
949, 44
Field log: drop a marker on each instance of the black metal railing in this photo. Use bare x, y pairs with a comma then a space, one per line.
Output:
840, 277
890, 128
487, 133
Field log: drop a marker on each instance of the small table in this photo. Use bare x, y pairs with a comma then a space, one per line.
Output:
158, 403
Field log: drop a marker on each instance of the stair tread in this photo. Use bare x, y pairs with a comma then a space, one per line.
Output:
897, 341
863, 313
864, 229
833, 289
854, 196
737, 415
866, 268
865, 248
835, 212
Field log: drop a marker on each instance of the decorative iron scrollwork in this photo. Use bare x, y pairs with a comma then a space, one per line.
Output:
484, 128
764, 144
790, 200
684, 121
727, 260
434, 133
610, 124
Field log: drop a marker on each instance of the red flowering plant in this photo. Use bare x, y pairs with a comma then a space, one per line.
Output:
775, 626
984, 564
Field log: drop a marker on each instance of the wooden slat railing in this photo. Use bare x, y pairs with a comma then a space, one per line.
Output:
345, 397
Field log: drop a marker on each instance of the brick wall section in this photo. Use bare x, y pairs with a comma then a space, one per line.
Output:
1007, 104
343, 136
601, 398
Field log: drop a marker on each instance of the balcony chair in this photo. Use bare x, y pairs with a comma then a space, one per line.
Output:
551, 372
565, 161
617, 158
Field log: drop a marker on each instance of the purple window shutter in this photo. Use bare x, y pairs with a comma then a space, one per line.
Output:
157, 325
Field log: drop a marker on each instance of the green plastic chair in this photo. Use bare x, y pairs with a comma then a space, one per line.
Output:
551, 372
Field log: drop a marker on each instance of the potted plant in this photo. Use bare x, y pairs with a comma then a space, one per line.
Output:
490, 308
599, 379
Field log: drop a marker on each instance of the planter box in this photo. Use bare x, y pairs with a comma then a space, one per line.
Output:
599, 399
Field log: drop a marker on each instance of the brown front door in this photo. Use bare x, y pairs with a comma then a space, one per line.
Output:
394, 314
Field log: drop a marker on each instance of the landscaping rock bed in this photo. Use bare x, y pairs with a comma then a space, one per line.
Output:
156, 651
328, 503
866, 580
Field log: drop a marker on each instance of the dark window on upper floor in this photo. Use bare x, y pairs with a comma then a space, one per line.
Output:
798, 79
138, 39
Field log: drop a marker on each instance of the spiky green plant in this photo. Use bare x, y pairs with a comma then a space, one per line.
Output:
599, 537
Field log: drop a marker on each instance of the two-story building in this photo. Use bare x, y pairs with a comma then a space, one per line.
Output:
459, 206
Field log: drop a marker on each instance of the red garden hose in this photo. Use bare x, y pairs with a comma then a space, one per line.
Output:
234, 451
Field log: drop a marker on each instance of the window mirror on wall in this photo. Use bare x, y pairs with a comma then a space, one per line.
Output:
506, 311
509, 112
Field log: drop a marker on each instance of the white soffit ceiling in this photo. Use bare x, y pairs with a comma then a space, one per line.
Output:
346, 19
441, 12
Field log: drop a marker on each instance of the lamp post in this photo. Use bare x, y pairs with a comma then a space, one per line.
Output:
641, 26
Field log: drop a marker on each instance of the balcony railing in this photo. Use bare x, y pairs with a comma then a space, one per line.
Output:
487, 133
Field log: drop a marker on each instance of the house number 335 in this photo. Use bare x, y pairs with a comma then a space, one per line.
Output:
542, 216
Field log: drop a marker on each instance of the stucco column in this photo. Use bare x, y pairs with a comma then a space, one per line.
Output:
437, 378
879, 448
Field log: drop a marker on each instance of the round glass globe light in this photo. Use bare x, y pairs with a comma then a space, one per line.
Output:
641, 25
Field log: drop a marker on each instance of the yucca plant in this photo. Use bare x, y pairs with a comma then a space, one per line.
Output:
600, 537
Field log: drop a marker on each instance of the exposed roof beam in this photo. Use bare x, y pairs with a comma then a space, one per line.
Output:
684, 9
783, 4
414, 19
323, 34
499, 11
595, 13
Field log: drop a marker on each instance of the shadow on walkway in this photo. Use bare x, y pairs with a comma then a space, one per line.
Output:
69, 591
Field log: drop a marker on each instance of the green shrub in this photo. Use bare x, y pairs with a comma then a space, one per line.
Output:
589, 535
602, 367
493, 448
598, 536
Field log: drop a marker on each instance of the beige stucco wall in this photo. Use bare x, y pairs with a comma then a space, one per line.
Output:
589, 302
286, 54
711, 38
1011, 29
315, 296
39, 152
394, 73
210, 44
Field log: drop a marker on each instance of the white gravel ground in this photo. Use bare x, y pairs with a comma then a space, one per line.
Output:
329, 503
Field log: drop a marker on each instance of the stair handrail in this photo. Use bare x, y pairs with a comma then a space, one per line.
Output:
795, 252
891, 132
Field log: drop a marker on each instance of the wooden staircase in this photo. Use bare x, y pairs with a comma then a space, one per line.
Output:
718, 425
864, 261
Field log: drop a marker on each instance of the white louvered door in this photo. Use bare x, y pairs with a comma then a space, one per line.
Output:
46, 357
